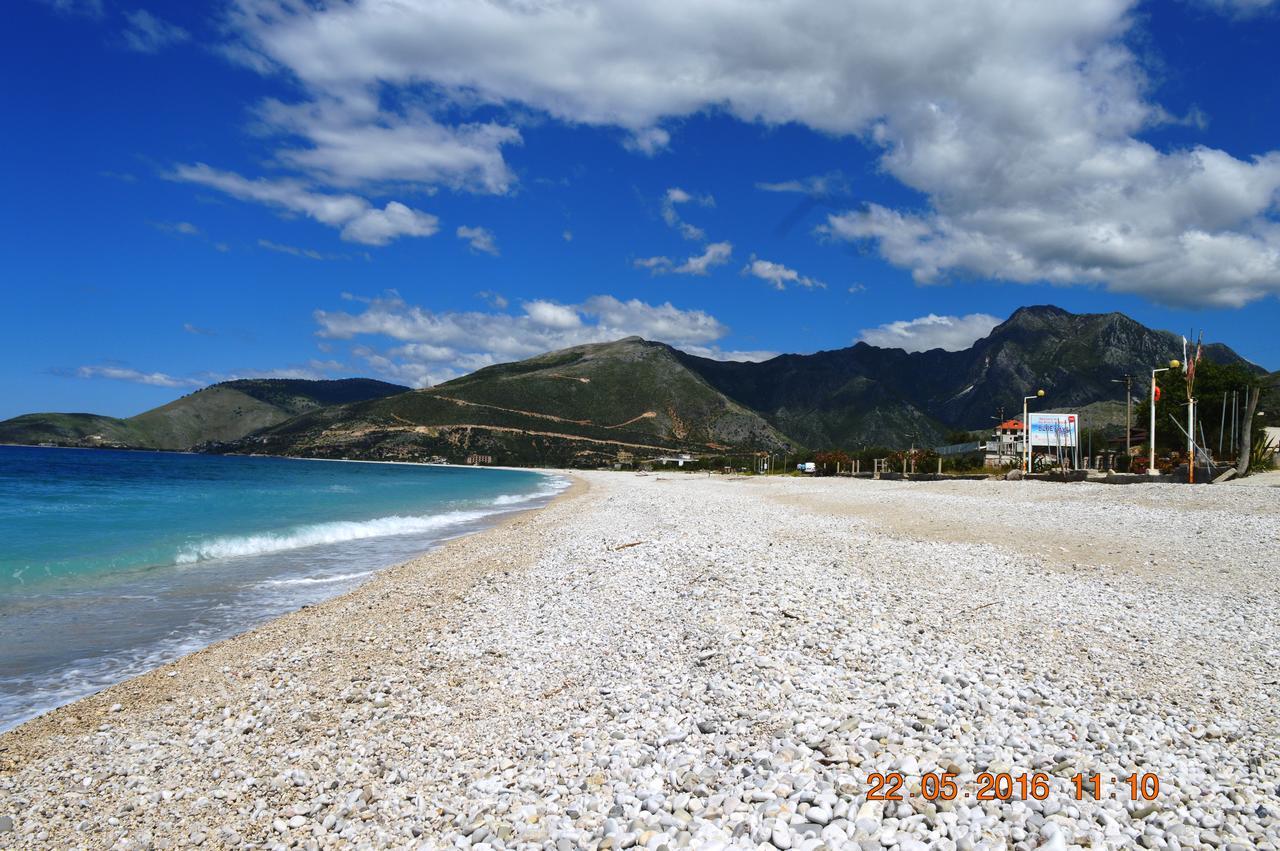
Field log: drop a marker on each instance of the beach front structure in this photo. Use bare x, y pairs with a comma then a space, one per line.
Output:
1005, 446
679, 460
1051, 433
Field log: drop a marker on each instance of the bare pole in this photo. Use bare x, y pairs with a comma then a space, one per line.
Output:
1235, 403
1089, 462
1222, 429
1203, 443
1128, 414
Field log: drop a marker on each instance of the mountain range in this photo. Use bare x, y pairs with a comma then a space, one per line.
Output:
590, 404
221, 412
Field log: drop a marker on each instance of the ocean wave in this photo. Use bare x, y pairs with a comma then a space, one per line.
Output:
335, 532
516, 498
314, 580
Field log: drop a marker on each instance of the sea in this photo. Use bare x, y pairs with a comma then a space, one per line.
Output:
115, 562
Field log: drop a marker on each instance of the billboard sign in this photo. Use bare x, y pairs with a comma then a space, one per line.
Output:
1054, 430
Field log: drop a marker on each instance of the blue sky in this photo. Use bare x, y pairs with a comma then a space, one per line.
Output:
410, 191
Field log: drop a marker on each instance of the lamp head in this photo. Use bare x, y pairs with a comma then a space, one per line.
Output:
1040, 393
1174, 364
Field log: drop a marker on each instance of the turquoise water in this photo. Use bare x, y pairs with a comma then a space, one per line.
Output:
114, 562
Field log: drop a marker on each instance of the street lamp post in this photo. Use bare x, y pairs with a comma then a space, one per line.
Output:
1151, 461
1127, 381
1026, 431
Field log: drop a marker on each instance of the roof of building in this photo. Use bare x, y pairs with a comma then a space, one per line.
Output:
1010, 424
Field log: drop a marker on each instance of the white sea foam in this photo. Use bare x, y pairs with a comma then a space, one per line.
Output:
340, 531
315, 580
336, 532
515, 498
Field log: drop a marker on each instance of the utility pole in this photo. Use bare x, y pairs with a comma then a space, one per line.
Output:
1128, 411
999, 437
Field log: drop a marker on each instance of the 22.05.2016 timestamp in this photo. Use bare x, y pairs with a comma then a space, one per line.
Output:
1003, 787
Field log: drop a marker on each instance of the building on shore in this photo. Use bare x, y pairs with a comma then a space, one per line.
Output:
1005, 445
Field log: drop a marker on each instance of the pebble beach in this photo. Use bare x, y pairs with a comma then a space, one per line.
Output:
681, 661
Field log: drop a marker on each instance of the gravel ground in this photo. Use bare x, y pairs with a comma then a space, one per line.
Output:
680, 661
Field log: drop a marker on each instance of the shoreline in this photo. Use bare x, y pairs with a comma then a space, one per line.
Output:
159, 684
500, 516
544, 470
693, 661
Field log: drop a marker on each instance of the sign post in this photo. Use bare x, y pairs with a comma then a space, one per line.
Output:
1060, 431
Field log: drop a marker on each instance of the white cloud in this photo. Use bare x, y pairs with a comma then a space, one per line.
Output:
676, 196
1236, 8
85, 8
358, 220
120, 373
313, 370
548, 314
951, 333
567, 235
493, 299
832, 183
293, 250
779, 275
198, 331
481, 239
349, 148
716, 353
379, 227
1021, 124
148, 34
182, 228
716, 254
431, 347
648, 141
656, 265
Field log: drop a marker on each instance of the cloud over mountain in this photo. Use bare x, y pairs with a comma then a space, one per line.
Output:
1021, 124
951, 333
423, 347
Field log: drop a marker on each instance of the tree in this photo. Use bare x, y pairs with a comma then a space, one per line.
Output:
1215, 383
829, 462
1246, 428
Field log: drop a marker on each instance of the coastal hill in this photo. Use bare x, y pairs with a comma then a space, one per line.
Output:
585, 405
593, 403
579, 406
218, 413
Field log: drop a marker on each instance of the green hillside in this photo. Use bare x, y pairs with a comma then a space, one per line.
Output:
216, 414
579, 406
592, 404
